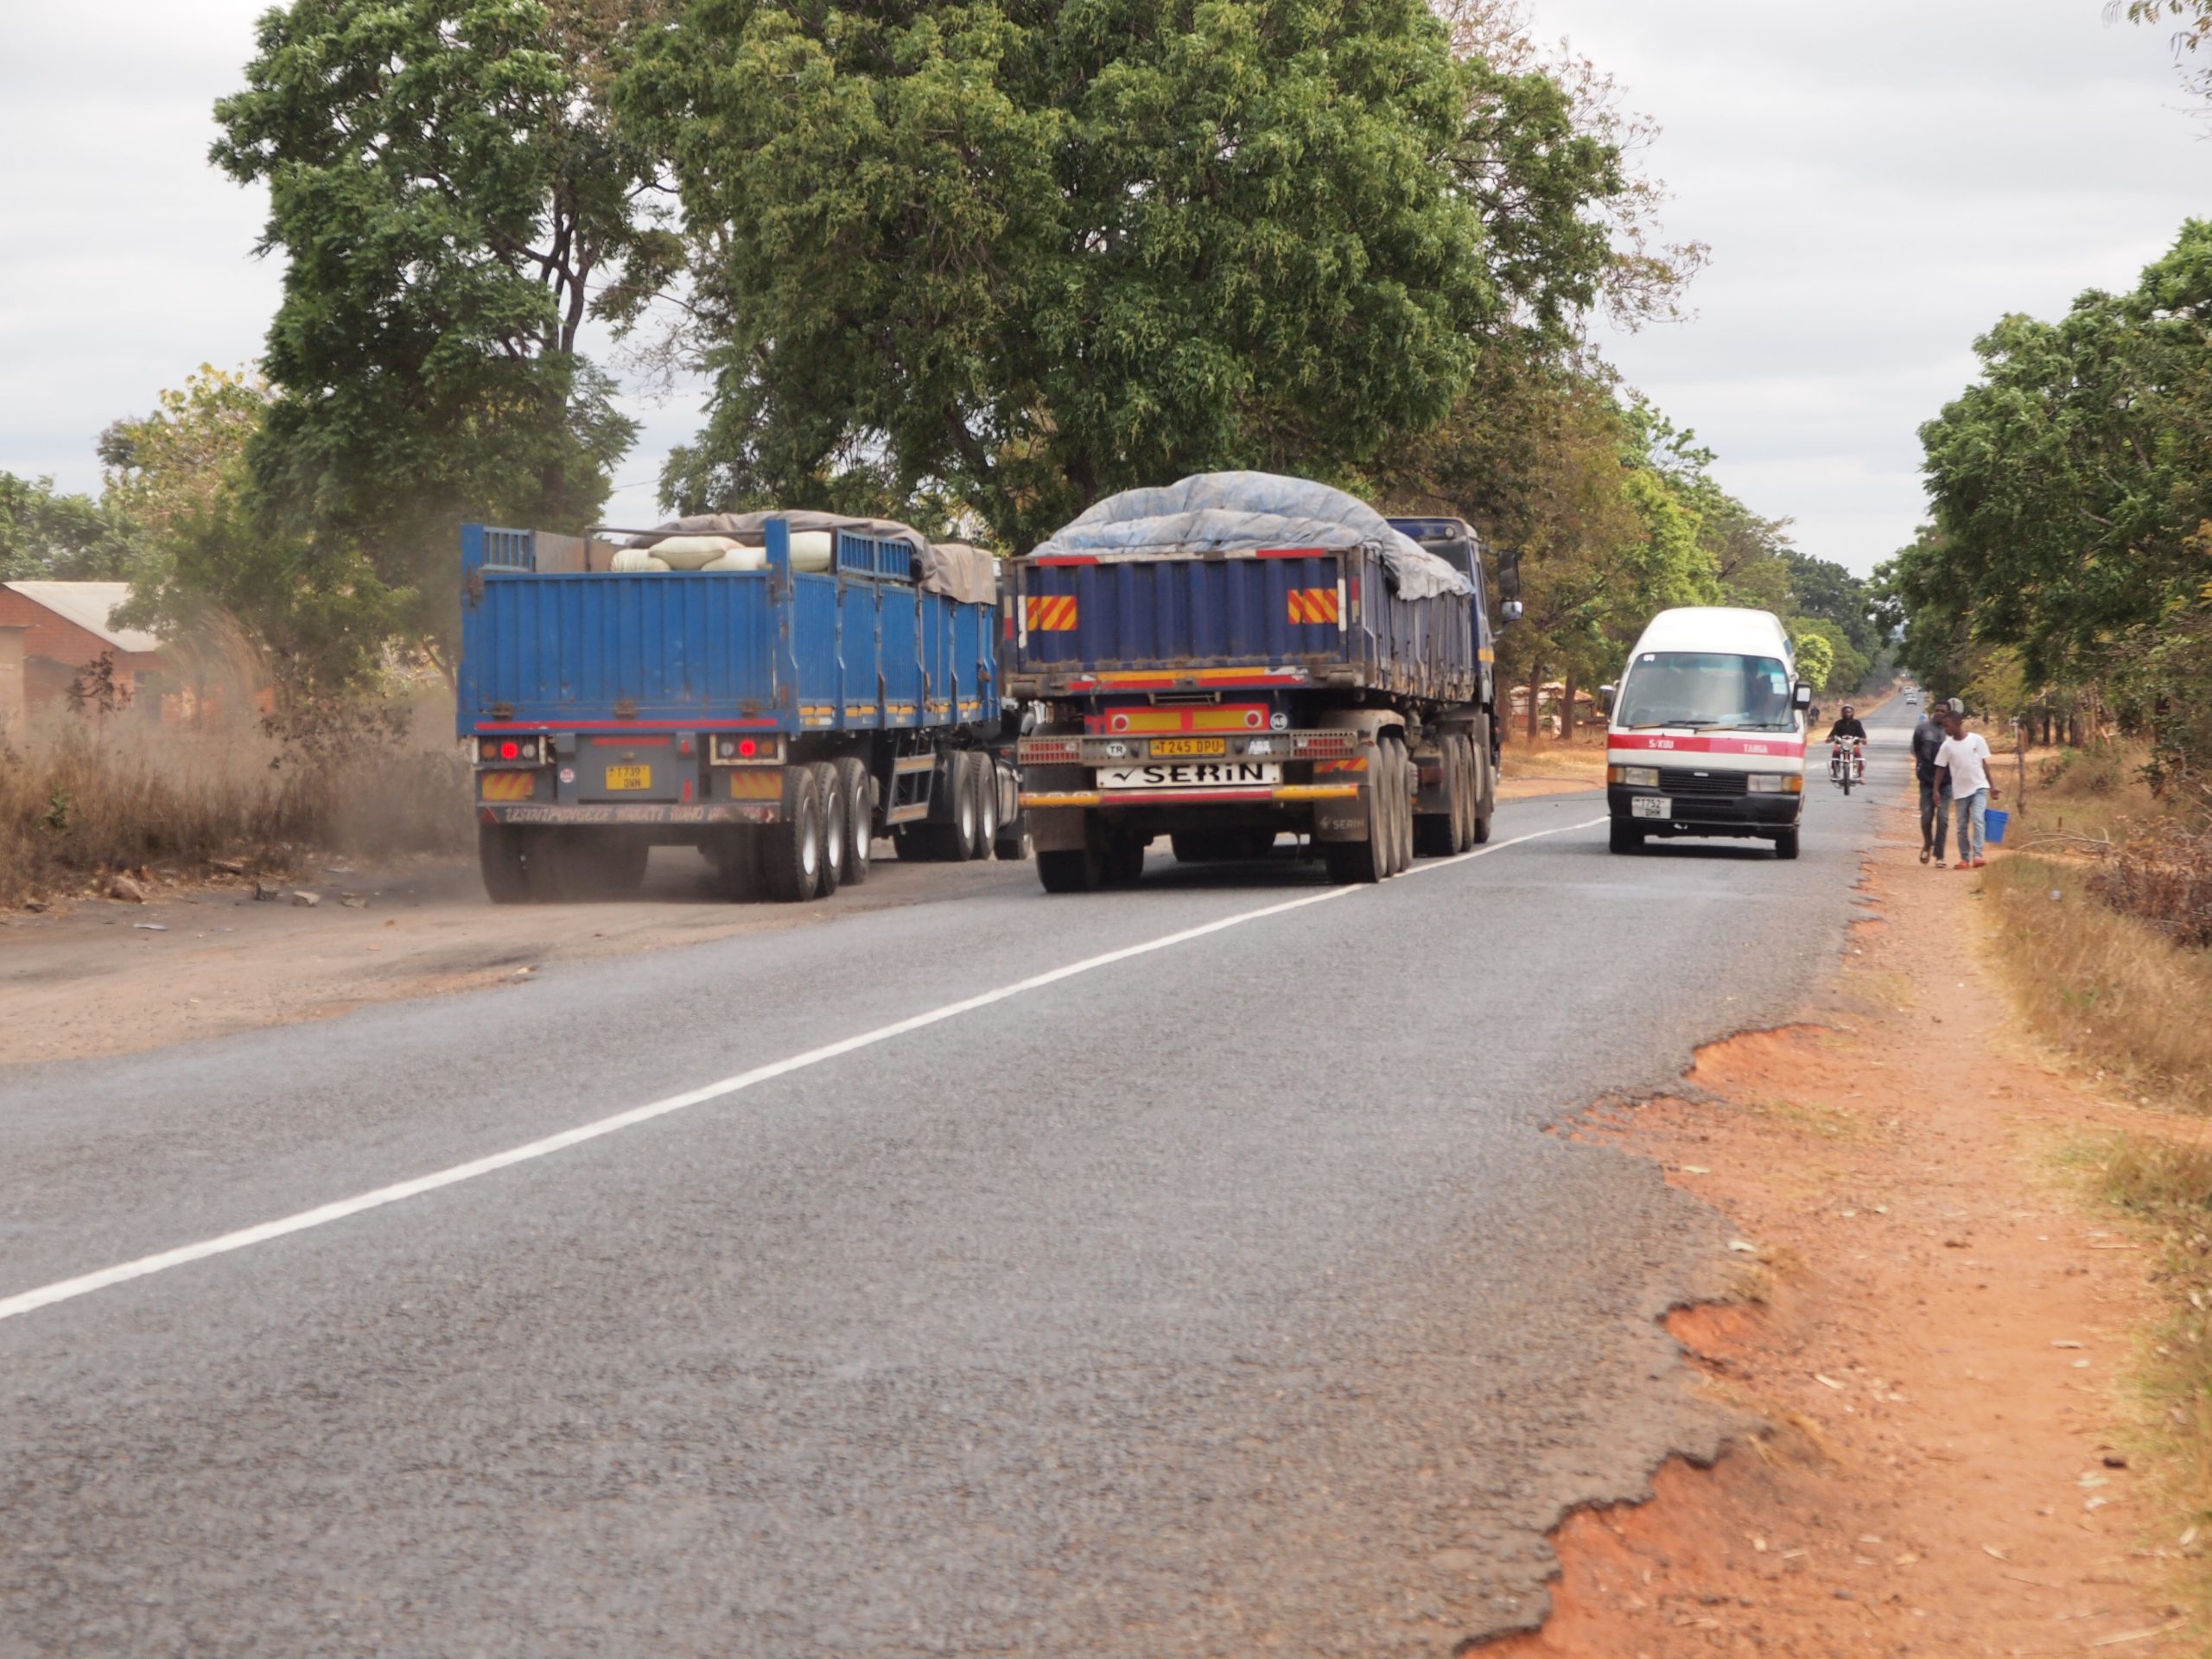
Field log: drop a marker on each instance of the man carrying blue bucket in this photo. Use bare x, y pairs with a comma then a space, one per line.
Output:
1962, 763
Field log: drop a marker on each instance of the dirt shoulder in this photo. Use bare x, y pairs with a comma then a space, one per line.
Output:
94, 977
1935, 1326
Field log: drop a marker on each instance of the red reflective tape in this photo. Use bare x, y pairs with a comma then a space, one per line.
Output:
1785, 749
1055, 559
1290, 553
622, 725
630, 742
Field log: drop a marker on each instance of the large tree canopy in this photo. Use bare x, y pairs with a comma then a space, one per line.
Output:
448, 190
1043, 252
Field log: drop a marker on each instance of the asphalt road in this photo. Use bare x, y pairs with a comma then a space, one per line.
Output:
1221, 1296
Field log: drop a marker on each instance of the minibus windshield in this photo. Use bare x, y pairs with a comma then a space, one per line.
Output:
1709, 691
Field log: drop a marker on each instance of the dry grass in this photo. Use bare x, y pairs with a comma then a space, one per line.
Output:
1582, 761
2095, 794
79, 802
2104, 986
2165, 1186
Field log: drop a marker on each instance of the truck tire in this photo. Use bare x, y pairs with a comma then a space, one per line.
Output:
1352, 862
1125, 860
790, 852
1463, 798
1014, 844
1621, 837
1785, 843
616, 867
1402, 807
1076, 870
983, 780
1436, 835
735, 854
1485, 782
854, 791
1197, 845
503, 857
837, 839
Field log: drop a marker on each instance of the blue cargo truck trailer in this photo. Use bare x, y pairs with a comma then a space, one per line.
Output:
781, 691
1240, 655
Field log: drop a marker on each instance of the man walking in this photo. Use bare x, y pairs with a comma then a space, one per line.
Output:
1934, 798
1962, 763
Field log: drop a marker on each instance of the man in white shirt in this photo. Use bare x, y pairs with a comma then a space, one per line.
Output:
1964, 761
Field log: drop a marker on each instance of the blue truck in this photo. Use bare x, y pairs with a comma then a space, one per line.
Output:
1240, 655
791, 687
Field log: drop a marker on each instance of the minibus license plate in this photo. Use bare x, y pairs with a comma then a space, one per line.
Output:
629, 777
1650, 806
1191, 774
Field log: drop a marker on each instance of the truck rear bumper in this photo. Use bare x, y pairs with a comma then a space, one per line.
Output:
1045, 800
630, 813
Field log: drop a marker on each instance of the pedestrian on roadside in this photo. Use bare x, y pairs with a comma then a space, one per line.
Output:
1934, 798
1962, 764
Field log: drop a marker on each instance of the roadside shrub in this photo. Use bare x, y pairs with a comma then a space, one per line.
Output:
2163, 877
2100, 769
2104, 985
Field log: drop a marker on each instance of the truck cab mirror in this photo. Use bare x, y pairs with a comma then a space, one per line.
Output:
1605, 701
1802, 698
1509, 612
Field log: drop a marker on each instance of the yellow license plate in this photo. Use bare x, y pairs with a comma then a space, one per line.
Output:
1190, 745
629, 777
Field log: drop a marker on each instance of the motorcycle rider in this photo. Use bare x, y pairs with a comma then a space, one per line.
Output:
1847, 725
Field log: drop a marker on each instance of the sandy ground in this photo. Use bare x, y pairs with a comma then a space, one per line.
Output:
1935, 1326
104, 976
1552, 769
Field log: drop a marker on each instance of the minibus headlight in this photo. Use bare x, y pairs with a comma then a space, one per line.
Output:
1766, 782
1638, 777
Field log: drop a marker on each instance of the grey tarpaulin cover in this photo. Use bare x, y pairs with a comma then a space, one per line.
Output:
1240, 512
953, 568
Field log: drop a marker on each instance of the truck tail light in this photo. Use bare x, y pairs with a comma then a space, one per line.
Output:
733, 749
1049, 751
1324, 745
511, 751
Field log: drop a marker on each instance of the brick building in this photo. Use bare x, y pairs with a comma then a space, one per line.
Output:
51, 631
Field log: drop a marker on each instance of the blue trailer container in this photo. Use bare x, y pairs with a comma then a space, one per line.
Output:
777, 719
1224, 692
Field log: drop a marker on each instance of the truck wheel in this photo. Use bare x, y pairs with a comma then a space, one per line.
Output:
1624, 837
1400, 845
1078, 870
1195, 846
618, 867
1125, 860
1436, 835
790, 852
1014, 844
1361, 862
735, 854
501, 855
860, 828
1785, 844
835, 840
983, 779
960, 837
1485, 786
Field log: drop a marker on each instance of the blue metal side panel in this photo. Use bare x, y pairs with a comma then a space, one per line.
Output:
814, 640
902, 656
937, 659
859, 653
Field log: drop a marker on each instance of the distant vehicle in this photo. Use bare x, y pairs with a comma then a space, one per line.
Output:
777, 693
1912, 697
1239, 655
1706, 732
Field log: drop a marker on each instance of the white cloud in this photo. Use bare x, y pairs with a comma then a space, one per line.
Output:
1879, 183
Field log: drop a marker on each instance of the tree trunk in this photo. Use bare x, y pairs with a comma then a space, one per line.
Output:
1567, 709
1535, 697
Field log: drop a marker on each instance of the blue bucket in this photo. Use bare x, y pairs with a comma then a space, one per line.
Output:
1992, 825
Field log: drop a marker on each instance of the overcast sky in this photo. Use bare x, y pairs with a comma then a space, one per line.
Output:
1878, 182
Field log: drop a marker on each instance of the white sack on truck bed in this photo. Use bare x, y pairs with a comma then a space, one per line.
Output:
960, 572
1243, 512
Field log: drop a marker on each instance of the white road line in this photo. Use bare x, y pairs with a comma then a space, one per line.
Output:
85, 1284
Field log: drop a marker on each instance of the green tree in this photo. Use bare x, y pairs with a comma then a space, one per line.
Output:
47, 536
448, 190
1038, 254
1816, 654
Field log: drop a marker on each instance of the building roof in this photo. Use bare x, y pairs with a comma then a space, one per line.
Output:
88, 604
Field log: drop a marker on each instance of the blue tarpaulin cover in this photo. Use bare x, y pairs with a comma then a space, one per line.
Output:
1243, 512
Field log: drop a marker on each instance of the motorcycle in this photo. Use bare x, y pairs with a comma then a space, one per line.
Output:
1847, 763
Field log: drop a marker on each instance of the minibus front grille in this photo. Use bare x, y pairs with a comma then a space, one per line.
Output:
1683, 780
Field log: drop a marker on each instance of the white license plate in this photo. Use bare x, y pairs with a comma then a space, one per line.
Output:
1191, 774
1650, 806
